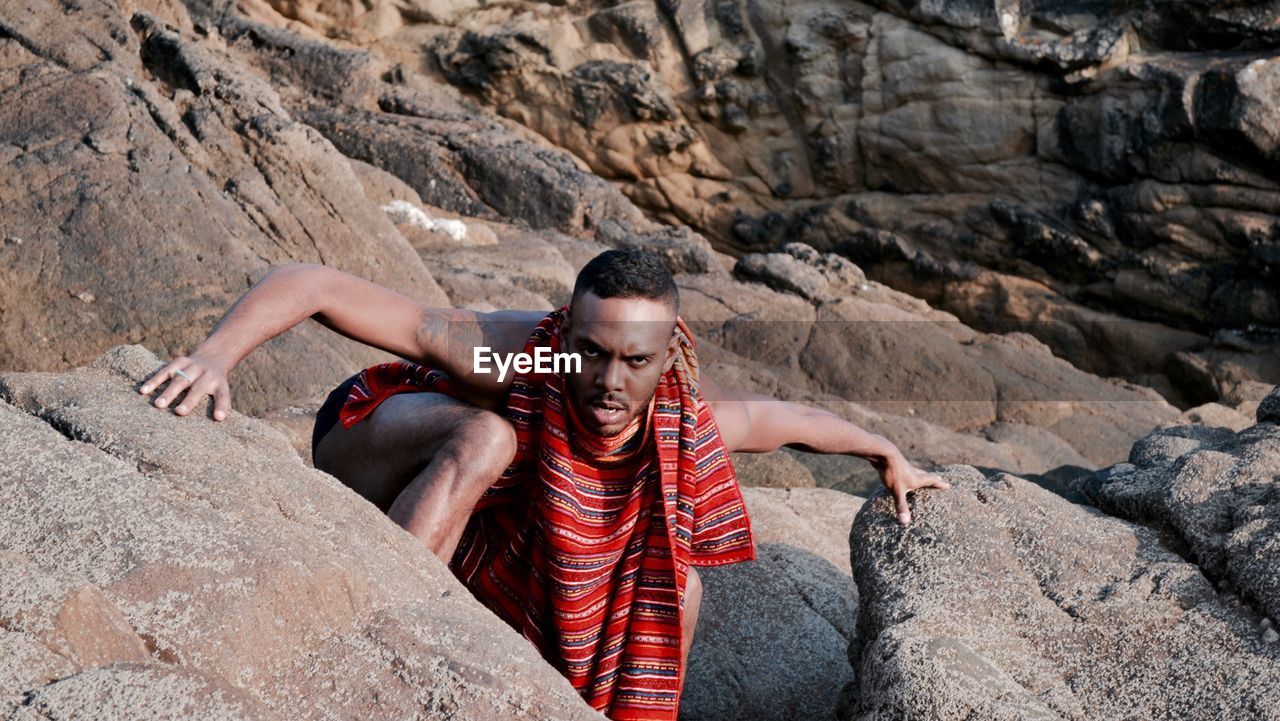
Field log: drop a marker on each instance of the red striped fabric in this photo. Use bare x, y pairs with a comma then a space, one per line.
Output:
588, 559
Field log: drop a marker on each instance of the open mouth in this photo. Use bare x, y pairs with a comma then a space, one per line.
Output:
606, 413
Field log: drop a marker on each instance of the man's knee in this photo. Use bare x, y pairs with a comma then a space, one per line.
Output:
486, 441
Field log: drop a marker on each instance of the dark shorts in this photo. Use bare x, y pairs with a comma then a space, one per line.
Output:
327, 416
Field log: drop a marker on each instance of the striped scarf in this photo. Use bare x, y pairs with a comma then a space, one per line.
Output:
588, 556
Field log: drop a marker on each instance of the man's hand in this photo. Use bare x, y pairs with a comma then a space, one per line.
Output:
901, 477
199, 375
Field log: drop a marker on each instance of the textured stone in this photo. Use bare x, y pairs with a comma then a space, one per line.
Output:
772, 634
1269, 409
210, 552
145, 189
1004, 601
1214, 492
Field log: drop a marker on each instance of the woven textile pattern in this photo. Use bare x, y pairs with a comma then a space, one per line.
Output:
588, 559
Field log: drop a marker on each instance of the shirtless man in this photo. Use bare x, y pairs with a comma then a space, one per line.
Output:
426, 458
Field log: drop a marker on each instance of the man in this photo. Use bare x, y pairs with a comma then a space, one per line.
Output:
573, 503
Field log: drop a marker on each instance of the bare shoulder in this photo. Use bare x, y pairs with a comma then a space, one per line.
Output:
448, 339
454, 332
508, 330
729, 409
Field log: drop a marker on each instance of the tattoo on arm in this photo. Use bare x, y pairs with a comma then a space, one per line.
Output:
448, 336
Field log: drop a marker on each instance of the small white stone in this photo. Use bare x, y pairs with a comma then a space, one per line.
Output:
1008, 24
403, 212
1270, 636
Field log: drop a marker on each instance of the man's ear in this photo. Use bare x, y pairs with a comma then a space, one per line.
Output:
673, 351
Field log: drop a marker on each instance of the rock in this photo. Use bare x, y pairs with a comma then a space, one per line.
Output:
142, 690
803, 271
778, 469
245, 584
1235, 105
1098, 417
1213, 491
772, 633
144, 136
1113, 154
296, 424
853, 352
1214, 414
1269, 409
1004, 601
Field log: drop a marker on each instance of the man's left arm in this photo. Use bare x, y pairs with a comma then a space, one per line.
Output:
755, 423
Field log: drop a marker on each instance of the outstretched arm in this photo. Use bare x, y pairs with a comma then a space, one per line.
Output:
440, 337
756, 423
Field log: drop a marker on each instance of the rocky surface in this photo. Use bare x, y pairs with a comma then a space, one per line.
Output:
149, 181
155, 566
1094, 181
1101, 174
1215, 492
1004, 601
315, 152
154, 173
772, 635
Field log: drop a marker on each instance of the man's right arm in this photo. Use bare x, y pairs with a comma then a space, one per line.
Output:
439, 337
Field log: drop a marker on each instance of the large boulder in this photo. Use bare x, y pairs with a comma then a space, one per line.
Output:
1214, 491
1004, 601
157, 566
150, 179
772, 634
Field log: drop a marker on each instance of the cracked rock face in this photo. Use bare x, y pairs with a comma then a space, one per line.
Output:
1004, 601
155, 170
156, 566
149, 181
1216, 493
1081, 161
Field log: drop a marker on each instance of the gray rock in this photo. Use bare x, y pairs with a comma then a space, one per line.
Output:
1214, 492
1004, 601
772, 634
1269, 409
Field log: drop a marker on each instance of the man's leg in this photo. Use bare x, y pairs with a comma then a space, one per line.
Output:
692, 604
424, 459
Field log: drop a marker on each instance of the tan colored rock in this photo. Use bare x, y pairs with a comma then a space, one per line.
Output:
236, 565
168, 178
141, 690
1213, 414
967, 128
778, 469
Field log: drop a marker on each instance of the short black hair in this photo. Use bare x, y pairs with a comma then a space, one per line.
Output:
628, 273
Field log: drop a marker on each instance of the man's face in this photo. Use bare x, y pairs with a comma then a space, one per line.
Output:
626, 344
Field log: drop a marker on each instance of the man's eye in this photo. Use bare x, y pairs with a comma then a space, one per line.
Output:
590, 352
639, 361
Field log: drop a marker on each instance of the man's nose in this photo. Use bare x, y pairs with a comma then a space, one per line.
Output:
611, 374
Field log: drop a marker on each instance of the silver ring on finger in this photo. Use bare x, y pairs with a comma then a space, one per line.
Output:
180, 372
